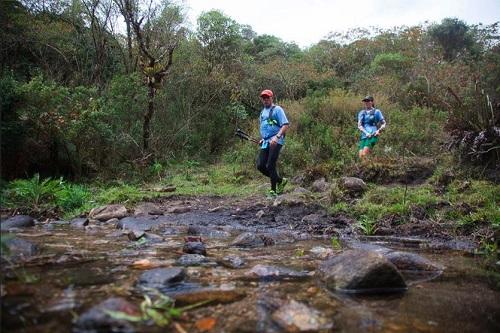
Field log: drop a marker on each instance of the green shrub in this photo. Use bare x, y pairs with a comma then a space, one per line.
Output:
34, 192
72, 197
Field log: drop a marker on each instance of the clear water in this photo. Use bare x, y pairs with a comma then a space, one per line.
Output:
77, 269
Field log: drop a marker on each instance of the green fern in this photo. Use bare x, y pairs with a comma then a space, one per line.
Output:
34, 192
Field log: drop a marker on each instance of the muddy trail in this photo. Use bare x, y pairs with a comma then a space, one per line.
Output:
239, 265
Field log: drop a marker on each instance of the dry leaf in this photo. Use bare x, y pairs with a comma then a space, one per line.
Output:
205, 324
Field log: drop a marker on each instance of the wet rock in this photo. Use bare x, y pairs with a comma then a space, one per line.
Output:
56, 224
233, 261
147, 208
18, 221
79, 223
352, 185
153, 238
361, 272
321, 252
135, 234
320, 185
406, 261
161, 277
194, 248
247, 239
112, 221
192, 260
97, 320
108, 212
198, 230
278, 237
212, 296
18, 248
298, 317
137, 223
267, 272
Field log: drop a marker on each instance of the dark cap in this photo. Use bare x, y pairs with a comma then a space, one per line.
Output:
368, 99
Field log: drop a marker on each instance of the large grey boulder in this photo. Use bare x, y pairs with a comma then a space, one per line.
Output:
361, 272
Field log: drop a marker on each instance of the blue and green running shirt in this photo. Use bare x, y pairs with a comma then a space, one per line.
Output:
369, 119
271, 127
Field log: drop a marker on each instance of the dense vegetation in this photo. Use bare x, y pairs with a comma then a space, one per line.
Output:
100, 91
85, 95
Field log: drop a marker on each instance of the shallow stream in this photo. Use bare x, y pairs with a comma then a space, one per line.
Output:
78, 268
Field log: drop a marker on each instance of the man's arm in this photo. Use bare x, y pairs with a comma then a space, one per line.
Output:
382, 123
282, 131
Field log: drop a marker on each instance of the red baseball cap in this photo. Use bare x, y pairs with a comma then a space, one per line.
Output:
266, 92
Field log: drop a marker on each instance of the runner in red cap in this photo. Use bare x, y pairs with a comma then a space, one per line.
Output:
273, 126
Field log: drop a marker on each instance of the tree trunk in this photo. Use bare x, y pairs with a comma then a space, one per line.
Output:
147, 118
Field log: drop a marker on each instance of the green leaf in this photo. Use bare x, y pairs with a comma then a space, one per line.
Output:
123, 316
159, 318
